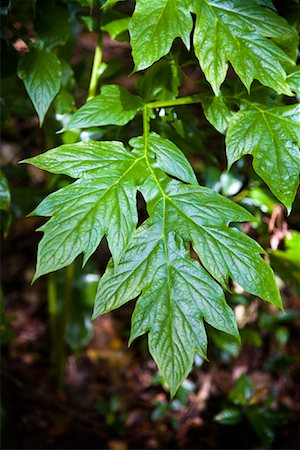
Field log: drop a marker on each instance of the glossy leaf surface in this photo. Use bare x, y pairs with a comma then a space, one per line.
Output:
272, 137
114, 106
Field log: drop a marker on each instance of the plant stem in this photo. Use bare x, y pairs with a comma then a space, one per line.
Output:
96, 67
176, 102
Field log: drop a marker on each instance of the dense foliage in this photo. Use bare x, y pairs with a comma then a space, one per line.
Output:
188, 246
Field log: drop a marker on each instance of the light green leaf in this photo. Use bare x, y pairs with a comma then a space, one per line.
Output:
168, 157
116, 27
102, 202
229, 416
238, 32
217, 111
41, 72
4, 193
294, 80
272, 137
110, 3
114, 106
154, 26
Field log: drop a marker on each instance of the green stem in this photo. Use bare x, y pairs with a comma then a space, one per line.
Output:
176, 102
96, 67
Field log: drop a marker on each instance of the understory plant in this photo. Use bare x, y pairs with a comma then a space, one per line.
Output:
186, 248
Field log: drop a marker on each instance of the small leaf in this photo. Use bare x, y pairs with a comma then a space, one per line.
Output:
116, 27
243, 390
229, 416
114, 106
41, 72
272, 137
4, 193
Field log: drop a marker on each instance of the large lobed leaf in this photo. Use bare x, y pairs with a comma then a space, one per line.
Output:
154, 26
272, 137
177, 293
236, 31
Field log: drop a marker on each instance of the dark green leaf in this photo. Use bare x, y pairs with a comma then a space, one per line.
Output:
52, 24
177, 295
243, 390
229, 416
161, 81
41, 72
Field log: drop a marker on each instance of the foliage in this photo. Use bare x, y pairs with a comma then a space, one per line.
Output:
244, 405
191, 246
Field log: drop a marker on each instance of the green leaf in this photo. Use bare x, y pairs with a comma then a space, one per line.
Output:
102, 202
161, 81
243, 390
4, 193
168, 156
178, 293
52, 24
114, 106
264, 422
110, 3
267, 3
154, 26
202, 217
116, 27
229, 416
287, 262
272, 137
217, 111
238, 32
41, 72
294, 80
